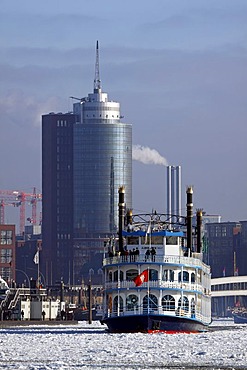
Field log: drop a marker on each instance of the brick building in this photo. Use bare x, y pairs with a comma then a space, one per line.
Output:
7, 253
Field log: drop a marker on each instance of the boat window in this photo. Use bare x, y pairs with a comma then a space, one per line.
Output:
115, 275
131, 274
131, 302
171, 240
183, 303
185, 276
110, 276
118, 300
193, 277
109, 302
192, 306
146, 240
168, 275
131, 240
150, 303
157, 240
154, 240
153, 274
165, 275
168, 303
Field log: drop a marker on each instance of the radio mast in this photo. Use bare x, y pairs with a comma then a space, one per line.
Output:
97, 82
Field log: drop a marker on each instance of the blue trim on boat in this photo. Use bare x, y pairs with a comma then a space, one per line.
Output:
153, 233
112, 290
149, 263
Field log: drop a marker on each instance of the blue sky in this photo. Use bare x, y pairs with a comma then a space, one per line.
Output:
178, 69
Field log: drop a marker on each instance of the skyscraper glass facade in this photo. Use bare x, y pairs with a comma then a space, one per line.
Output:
102, 163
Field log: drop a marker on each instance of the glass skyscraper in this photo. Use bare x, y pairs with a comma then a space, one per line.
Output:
100, 162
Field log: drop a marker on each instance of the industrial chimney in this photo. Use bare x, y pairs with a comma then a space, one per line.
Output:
174, 191
189, 206
121, 211
199, 230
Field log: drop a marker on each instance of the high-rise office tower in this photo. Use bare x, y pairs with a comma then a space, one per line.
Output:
96, 156
56, 256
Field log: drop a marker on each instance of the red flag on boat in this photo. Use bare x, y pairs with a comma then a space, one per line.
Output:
142, 278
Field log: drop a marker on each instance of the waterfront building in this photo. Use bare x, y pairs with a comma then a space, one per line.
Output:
224, 252
86, 157
7, 252
241, 250
27, 246
206, 219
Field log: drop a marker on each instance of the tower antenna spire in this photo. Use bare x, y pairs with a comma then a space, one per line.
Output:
97, 82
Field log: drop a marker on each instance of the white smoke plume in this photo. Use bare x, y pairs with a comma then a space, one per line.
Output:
147, 155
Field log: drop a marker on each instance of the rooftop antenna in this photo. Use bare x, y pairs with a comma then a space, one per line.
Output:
97, 82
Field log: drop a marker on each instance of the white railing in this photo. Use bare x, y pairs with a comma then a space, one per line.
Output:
178, 312
173, 260
14, 301
17, 294
5, 300
155, 284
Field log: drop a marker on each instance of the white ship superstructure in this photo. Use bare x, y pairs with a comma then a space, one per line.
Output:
153, 282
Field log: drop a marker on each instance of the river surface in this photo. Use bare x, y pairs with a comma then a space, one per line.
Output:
84, 346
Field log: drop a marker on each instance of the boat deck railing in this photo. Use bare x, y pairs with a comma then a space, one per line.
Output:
173, 260
159, 284
179, 312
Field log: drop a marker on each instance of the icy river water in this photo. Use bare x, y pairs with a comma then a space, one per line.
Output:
84, 346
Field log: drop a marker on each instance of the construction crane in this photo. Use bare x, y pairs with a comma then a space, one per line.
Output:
19, 198
73, 97
4, 203
8, 199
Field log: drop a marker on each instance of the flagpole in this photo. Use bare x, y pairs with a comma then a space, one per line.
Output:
36, 261
148, 290
150, 244
38, 265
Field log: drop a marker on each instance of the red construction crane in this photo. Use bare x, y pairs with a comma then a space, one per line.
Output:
19, 198
8, 198
4, 203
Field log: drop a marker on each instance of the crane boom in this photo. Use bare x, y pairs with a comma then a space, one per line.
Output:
18, 199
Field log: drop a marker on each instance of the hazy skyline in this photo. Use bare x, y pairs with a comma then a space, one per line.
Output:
178, 68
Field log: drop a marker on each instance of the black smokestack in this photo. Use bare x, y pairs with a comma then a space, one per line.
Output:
121, 210
189, 205
199, 230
